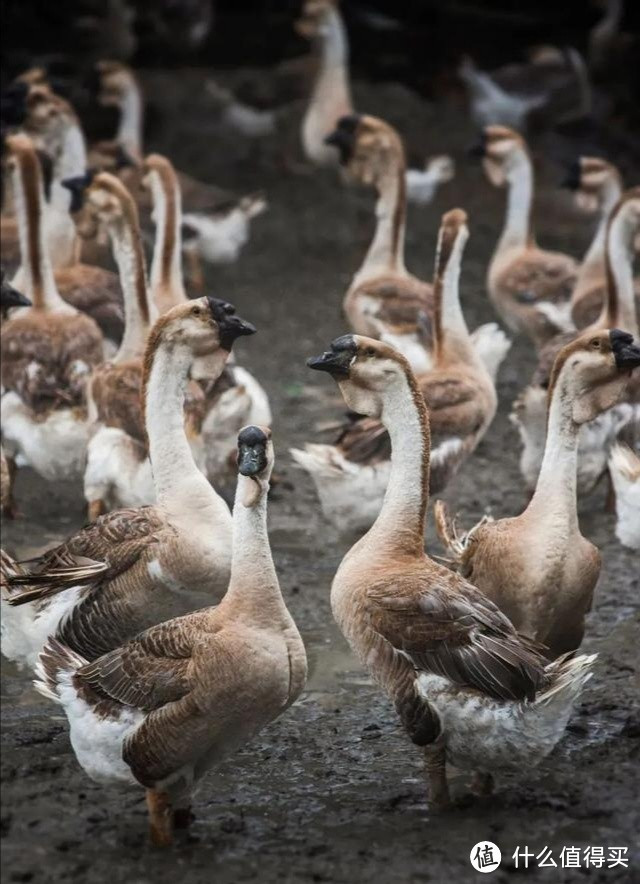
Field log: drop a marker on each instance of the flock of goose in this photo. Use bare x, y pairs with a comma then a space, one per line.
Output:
124, 382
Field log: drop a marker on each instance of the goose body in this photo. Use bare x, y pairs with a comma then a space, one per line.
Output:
529, 287
351, 476
618, 311
48, 350
468, 689
133, 568
624, 468
537, 567
159, 711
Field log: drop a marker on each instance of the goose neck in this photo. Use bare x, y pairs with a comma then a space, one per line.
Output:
517, 228
619, 309
166, 266
129, 256
386, 252
130, 126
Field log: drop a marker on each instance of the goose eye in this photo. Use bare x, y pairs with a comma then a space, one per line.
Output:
370, 351
595, 343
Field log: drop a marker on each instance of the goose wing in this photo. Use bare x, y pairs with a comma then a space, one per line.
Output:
400, 305
449, 628
543, 276
115, 390
115, 541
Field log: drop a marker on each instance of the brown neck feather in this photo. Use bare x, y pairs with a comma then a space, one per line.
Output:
399, 213
169, 184
30, 177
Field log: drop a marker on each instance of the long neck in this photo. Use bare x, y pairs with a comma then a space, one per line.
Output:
130, 126
129, 256
517, 227
400, 523
71, 163
619, 309
254, 590
386, 252
595, 254
333, 80
451, 335
167, 287
176, 477
36, 271
555, 494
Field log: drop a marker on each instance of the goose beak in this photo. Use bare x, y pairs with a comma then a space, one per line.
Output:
625, 351
77, 187
230, 326
571, 180
344, 137
336, 361
252, 451
13, 298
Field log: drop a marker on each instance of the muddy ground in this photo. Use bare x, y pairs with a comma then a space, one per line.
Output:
333, 792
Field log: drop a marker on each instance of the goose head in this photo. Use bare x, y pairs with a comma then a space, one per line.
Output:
591, 373
595, 182
314, 19
255, 462
115, 81
24, 159
47, 115
503, 152
204, 325
369, 148
367, 371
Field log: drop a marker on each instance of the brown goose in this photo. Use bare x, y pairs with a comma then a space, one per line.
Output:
159, 711
94, 290
529, 287
468, 689
618, 311
132, 568
351, 476
537, 567
48, 350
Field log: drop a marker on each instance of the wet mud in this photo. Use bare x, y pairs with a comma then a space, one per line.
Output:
333, 791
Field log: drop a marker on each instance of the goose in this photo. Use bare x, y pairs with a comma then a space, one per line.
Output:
384, 300
51, 121
239, 117
216, 224
133, 568
322, 23
468, 689
48, 351
528, 286
9, 299
352, 475
618, 311
331, 101
177, 699
598, 186
553, 85
537, 567
236, 398
624, 469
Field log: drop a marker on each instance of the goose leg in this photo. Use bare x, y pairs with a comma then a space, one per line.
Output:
96, 508
482, 783
435, 763
160, 818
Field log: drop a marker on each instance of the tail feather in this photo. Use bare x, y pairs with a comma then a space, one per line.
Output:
61, 572
54, 659
568, 676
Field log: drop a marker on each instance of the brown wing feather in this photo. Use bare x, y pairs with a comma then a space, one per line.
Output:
450, 629
46, 358
546, 276
152, 669
96, 292
115, 390
404, 303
